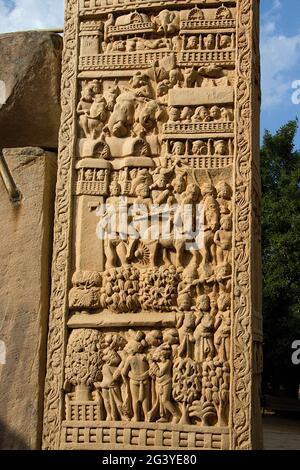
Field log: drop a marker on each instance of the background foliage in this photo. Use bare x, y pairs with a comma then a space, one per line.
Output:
280, 171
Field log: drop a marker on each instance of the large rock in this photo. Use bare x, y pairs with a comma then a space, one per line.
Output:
25, 254
31, 70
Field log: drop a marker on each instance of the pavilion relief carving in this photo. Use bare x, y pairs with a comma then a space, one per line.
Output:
157, 226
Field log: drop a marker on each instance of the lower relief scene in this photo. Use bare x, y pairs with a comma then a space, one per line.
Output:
148, 353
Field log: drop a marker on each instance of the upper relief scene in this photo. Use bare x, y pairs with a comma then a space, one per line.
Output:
137, 38
174, 78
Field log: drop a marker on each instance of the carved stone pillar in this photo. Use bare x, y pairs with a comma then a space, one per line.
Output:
155, 322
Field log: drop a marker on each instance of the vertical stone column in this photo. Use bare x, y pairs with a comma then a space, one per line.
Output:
25, 251
155, 336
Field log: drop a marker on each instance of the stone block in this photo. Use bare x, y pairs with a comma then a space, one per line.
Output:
30, 82
25, 253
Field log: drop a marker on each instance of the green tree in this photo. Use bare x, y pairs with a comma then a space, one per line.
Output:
280, 170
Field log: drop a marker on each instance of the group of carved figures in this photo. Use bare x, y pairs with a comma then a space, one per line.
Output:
177, 375
137, 110
200, 42
160, 192
167, 29
187, 114
146, 269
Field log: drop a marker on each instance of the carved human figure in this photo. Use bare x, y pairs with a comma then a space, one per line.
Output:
186, 285
141, 217
162, 90
163, 408
174, 114
114, 245
209, 42
186, 114
140, 85
178, 148
223, 275
179, 187
199, 147
223, 240
223, 328
154, 340
201, 115
215, 113
210, 223
220, 147
224, 198
96, 117
110, 385
135, 373
111, 96
109, 22
226, 115
174, 78
192, 42
204, 332
185, 326
83, 108
225, 41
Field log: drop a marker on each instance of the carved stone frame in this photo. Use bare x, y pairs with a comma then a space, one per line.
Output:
243, 410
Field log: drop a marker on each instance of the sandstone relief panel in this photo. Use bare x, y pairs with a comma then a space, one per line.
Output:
152, 257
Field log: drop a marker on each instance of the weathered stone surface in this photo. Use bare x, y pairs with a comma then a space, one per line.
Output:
155, 337
31, 70
25, 253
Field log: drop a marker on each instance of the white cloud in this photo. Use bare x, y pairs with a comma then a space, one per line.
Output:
20, 15
280, 54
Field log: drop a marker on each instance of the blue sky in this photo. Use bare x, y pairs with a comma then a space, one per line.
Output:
280, 48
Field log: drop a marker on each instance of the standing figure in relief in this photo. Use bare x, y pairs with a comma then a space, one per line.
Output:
84, 107
224, 198
223, 240
96, 117
185, 326
111, 230
135, 373
211, 224
203, 334
161, 370
179, 187
223, 328
110, 385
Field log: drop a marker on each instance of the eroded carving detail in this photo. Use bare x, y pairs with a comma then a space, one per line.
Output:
156, 304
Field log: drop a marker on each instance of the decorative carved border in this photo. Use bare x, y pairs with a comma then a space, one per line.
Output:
241, 386
62, 235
